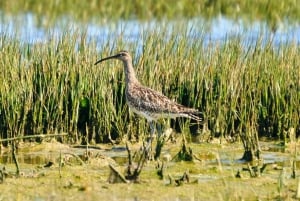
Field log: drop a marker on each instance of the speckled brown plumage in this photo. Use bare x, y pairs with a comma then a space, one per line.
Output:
145, 101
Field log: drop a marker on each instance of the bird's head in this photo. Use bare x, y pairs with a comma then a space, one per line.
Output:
122, 55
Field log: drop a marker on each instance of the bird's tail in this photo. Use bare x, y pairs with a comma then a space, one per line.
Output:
195, 116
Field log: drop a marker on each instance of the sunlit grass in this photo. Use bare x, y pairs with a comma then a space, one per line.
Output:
54, 87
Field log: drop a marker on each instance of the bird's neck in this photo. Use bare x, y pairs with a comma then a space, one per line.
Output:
129, 73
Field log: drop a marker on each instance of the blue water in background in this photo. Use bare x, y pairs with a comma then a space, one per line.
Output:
30, 30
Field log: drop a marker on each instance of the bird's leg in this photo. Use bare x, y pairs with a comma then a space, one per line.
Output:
160, 141
148, 147
159, 130
152, 130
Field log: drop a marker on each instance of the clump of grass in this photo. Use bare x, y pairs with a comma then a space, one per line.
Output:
54, 87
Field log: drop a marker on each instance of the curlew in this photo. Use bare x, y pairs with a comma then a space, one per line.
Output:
147, 102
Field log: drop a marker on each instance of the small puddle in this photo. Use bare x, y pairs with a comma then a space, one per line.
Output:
204, 178
27, 158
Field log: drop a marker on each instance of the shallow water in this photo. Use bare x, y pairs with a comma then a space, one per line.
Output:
212, 178
210, 153
29, 30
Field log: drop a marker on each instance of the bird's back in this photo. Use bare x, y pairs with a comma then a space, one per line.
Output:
154, 105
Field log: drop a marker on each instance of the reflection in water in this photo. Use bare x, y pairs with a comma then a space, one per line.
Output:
28, 158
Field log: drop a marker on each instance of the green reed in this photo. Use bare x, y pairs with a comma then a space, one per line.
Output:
54, 87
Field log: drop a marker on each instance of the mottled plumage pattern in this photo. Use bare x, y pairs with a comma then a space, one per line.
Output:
155, 105
145, 101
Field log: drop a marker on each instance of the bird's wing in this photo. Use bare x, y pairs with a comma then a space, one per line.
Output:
145, 98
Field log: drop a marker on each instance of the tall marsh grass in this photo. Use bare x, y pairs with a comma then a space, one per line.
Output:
54, 87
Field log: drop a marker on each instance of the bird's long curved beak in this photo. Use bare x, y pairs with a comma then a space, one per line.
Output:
111, 57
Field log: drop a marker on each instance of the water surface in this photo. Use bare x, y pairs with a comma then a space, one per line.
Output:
30, 29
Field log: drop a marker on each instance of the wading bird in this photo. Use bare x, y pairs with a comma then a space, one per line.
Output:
145, 101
